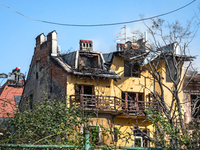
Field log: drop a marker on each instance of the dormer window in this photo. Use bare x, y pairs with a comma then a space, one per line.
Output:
131, 70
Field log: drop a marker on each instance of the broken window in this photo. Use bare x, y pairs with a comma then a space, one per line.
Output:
88, 99
131, 70
135, 101
84, 89
140, 138
89, 61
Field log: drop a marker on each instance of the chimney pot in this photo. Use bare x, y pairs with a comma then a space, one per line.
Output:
86, 45
52, 36
40, 39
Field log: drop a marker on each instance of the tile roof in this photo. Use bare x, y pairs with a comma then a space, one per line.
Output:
7, 99
121, 44
86, 41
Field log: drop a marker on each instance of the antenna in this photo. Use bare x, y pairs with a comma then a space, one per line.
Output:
124, 33
120, 39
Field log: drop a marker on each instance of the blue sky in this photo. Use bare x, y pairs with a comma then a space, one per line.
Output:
17, 33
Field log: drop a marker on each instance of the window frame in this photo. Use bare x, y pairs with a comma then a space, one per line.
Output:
130, 71
138, 137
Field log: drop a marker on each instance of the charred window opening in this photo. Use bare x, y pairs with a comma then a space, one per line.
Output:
141, 138
88, 89
87, 100
84, 89
131, 70
195, 106
88, 61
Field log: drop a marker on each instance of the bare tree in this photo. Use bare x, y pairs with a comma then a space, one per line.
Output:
164, 59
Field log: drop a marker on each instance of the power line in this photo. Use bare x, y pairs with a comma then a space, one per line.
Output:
96, 25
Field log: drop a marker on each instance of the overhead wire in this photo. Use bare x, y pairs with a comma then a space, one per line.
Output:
97, 25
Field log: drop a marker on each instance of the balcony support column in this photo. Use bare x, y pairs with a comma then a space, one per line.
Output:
114, 103
126, 101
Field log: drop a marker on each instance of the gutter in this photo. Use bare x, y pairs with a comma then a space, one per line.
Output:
97, 75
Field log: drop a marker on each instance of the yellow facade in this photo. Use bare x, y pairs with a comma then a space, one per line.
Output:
110, 87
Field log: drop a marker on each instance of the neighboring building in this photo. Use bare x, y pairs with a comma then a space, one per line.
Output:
10, 95
192, 98
9, 99
115, 85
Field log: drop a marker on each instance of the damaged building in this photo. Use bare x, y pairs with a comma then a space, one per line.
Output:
116, 84
192, 98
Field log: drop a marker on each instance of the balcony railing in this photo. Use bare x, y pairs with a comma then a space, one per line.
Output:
111, 104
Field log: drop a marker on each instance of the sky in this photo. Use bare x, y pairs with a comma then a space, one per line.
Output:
18, 33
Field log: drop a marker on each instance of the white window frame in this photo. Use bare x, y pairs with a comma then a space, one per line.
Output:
138, 137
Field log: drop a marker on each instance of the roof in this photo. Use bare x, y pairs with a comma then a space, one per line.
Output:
86, 41
142, 57
85, 63
91, 63
9, 97
121, 44
108, 57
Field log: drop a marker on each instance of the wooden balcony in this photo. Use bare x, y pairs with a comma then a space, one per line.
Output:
111, 104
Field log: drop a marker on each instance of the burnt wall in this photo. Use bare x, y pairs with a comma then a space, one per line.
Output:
46, 79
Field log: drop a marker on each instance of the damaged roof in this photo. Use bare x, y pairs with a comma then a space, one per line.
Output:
96, 64
143, 57
85, 63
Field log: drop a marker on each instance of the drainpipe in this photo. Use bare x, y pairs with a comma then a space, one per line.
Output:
87, 139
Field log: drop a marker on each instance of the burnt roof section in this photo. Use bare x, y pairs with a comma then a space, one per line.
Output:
85, 63
143, 57
69, 59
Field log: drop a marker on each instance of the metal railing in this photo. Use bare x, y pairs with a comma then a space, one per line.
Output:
87, 146
25, 146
